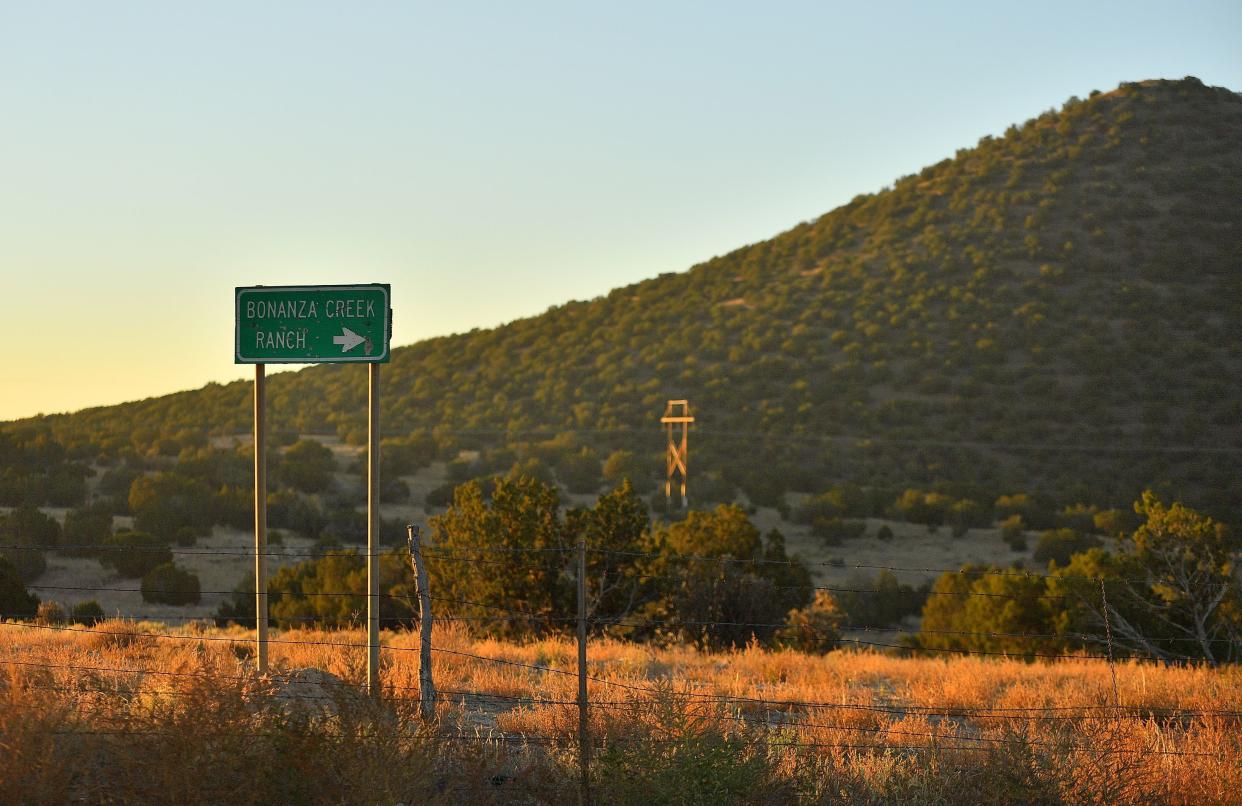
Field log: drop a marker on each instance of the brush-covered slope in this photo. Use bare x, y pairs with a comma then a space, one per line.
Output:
1058, 308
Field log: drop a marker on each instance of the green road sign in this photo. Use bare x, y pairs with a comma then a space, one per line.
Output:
312, 324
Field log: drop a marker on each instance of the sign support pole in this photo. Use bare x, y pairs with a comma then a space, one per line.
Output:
315, 324
260, 517
373, 483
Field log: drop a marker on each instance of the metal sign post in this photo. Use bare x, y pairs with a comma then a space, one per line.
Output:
314, 324
260, 517
373, 523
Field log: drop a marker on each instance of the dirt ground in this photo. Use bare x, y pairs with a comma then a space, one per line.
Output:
217, 573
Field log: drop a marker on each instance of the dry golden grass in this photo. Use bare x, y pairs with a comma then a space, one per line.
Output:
188, 720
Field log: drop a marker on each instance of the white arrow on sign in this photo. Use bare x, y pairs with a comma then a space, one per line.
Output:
348, 339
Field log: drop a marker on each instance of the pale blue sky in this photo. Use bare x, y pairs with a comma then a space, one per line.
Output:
486, 159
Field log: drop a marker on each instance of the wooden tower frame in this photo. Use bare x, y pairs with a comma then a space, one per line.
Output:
677, 413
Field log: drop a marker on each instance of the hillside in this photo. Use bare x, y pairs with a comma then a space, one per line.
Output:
1053, 310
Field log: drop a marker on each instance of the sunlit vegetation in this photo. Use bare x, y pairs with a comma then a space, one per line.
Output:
1168, 591
700, 607
504, 560
845, 727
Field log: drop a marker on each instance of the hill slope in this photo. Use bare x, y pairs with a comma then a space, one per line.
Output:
1054, 309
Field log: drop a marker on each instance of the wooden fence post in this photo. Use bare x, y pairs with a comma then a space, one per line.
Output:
584, 735
426, 685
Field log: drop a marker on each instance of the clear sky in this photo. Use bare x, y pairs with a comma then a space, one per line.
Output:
488, 160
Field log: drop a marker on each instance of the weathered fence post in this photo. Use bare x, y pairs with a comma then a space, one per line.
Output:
426, 685
584, 736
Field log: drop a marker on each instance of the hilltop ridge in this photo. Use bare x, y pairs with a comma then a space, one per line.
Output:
1054, 309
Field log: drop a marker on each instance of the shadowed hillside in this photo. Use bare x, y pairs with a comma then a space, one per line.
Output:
1056, 309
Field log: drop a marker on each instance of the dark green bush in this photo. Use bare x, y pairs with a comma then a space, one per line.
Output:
842, 501
535, 468
579, 471
88, 613
307, 466
404, 456
185, 536
1034, 512
439, 497
1013, 532
166, 502
461, 469
27, 532
834, 531
622, 465
289, 510
1059, 545
133, 554
879, 601
28, 561
116, 481
28, 526
394, 491
15, 600
86, 529
346, 524
169, 584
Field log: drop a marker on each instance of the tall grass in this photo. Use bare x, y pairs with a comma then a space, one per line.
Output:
189, 722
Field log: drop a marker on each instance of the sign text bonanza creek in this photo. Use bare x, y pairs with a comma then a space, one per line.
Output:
312, 324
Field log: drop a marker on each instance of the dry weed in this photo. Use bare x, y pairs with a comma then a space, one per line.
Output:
138, 716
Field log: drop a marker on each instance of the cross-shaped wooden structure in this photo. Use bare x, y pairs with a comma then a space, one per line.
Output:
677, 413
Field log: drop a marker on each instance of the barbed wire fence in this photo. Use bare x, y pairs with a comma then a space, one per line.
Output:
772, 717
